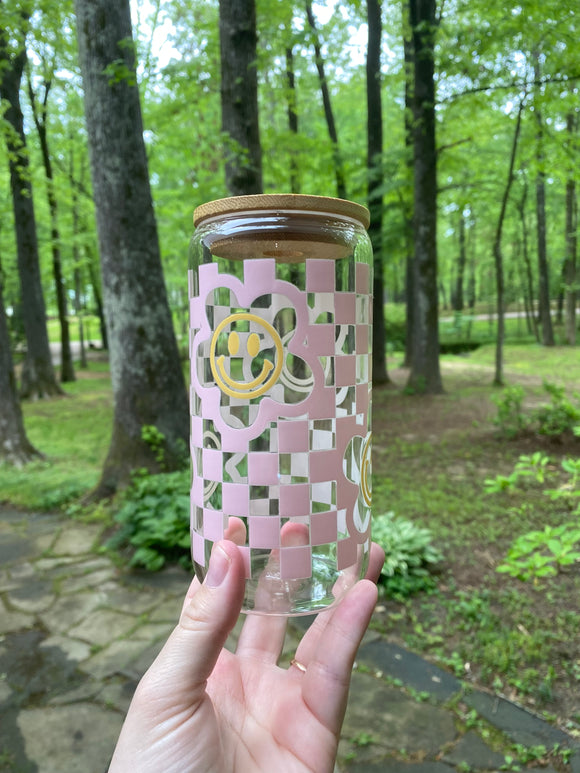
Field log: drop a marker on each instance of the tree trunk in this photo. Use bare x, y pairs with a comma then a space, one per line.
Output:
239, 96
425, 375
458, 303
471, 286
100, 309
443, 294
15, 447
67, 372
292, 119
570, 264
406, 200
523, 287
409, 309
148, 383
38, 378
560, 298
79, 313
328, 113
543, 271
497, 254
77, 274
375, 184
521, 207
298, 364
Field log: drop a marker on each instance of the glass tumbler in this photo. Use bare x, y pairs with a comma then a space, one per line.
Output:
280, 346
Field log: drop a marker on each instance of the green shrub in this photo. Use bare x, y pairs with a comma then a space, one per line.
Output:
543, 553
561, 416
558, 418
409, 555
154, 520
528, 466
510, 418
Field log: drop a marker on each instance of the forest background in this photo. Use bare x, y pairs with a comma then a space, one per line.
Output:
506, 85
471, 177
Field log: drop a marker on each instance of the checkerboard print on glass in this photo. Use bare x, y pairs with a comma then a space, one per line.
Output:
280, 415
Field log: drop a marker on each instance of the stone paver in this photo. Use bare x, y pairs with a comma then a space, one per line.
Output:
472, 751
14, 621
168, 611
13, 547
77, 633
114, 659
137, 602
399, 766
74, 649
521, 725
76, 539
89, 580
71, 610
117, 693
103, 626
395, 721
394, 661
34, 596
62, 739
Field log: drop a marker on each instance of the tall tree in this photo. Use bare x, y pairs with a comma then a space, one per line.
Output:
529, 282
497, 253
148, 382
239, 96
375, 185
38, 379
457, 296
78, 306
570, 264
292, 113
15, 448
425, 375
407, 201
40, 113
543, 270
327, 104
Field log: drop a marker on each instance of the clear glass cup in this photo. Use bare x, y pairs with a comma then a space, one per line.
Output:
280, 346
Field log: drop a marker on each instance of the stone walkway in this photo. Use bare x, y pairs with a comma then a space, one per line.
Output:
77, 633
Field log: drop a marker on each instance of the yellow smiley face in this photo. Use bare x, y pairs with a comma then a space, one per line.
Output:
270, 370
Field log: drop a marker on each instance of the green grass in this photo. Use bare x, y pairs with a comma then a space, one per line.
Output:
73, 433
431, 458
559, 364
90, 326
418, 485
483, 330
464, 327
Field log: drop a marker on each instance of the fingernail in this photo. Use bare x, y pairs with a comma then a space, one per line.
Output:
219, 564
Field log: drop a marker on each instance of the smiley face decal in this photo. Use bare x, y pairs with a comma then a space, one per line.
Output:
268, 376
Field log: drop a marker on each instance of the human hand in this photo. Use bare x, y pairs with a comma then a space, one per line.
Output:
201, 708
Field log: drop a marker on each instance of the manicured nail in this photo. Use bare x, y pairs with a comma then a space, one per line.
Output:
219, 564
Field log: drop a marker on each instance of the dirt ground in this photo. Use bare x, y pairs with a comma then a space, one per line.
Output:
520, 639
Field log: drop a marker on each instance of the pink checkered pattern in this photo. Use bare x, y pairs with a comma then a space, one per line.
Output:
283, 468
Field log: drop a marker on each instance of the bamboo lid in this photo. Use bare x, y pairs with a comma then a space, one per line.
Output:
282, 202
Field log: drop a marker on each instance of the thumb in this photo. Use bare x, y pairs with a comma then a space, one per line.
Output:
190, 654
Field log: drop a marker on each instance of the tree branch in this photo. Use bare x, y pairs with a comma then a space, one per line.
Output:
450, 145
518, 85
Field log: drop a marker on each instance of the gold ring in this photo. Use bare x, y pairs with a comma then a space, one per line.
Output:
298, 665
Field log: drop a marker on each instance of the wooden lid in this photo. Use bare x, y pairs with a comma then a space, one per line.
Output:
282, 202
